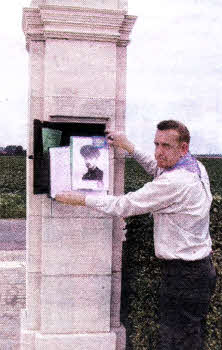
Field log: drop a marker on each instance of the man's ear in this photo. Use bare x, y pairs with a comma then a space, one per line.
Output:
184, 148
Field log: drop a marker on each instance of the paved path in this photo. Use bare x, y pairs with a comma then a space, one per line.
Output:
12, 234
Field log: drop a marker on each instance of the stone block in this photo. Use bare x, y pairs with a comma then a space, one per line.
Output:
12, 299
76, 246
73, 304
33, 301
119, 165
71, 106
65, 62
121, 72
115, 299
104, 341
106, 4
120, 114
34, 202
120, 337
46, 206
27, 340
69, 211
27, 337
34, 243
118, 238
37, 52
36, 111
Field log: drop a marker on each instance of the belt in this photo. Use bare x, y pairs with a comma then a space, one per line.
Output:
176, 262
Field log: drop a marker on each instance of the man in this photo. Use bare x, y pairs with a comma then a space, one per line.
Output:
179, 198
90, 155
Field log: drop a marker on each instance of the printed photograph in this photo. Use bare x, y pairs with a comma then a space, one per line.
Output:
89, 163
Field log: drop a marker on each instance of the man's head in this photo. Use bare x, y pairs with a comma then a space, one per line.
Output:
171, 142
90, 155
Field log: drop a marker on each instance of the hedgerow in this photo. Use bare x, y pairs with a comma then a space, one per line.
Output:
141, 272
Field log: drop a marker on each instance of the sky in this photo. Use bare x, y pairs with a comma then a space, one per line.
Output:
174, 71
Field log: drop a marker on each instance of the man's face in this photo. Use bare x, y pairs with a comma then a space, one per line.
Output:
168, 149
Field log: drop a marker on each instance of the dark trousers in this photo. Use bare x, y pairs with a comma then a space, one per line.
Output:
185, 292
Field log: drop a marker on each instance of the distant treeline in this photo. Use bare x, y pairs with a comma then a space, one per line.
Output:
211, 155
208, 155
12, 150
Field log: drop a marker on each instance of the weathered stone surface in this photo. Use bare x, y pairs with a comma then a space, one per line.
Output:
118, 238
76, 246
107, 4
115, 299
78, 75
72, 304
76, 342
12, 299
27, 337
34, 243
37, 53
71, 106
69, 211
121, 57
120, 337
33, 301
67, 60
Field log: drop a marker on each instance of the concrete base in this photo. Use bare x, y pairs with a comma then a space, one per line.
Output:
102, 341
34, 340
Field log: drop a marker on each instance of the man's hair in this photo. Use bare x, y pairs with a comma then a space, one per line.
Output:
184, 134
89, 151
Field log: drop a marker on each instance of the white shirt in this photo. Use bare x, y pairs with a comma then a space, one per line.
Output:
180, 203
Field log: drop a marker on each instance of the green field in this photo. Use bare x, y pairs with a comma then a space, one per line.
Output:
12, 187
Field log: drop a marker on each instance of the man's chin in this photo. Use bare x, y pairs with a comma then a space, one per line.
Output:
161, 164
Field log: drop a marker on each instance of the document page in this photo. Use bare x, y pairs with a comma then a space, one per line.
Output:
60, 174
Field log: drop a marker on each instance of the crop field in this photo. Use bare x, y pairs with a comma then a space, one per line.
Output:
12, 187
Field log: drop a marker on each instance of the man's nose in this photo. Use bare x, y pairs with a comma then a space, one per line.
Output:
159, 150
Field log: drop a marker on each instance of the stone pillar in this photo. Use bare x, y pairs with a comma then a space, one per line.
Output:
77, 63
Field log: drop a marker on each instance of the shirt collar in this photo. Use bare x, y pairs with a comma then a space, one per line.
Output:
187, 162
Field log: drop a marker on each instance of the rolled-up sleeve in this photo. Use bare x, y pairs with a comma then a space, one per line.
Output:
160, 195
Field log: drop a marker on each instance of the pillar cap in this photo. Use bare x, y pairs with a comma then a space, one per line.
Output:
105, 4
77, 23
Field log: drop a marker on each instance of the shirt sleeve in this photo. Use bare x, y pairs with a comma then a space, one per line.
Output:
146, 161
160, 195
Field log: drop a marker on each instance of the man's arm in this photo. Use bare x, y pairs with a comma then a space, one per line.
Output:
118, 139
160, 195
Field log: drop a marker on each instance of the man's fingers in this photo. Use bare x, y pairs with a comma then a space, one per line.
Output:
109, 135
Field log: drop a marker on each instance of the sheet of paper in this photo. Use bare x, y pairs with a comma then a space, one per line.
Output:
89, 163
60, 174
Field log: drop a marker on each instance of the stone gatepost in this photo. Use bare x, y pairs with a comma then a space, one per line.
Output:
77, 52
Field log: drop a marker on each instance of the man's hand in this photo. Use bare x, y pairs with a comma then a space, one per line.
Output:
119, 139
71, 197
